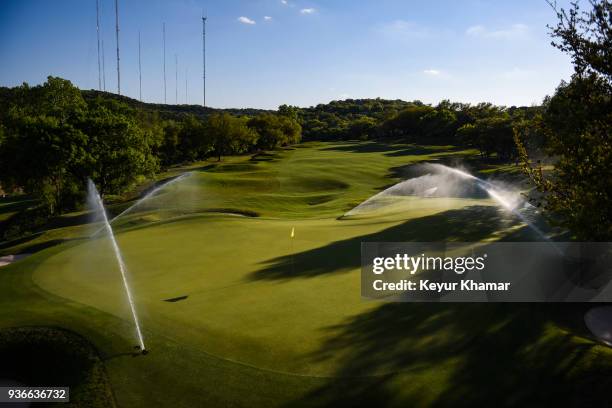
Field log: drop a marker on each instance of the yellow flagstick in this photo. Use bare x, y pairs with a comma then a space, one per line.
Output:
291, 241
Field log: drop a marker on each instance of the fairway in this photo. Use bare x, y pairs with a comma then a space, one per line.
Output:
245, 315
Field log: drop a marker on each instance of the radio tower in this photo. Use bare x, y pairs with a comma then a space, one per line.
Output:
98, 35
117, 36
139, 68
103, 68
203, 61
176, 85
164, 35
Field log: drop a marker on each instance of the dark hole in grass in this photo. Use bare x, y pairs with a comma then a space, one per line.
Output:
176, 299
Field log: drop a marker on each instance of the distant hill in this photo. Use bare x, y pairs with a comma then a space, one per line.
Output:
169, 111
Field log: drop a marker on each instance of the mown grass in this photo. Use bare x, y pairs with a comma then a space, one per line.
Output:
53, 357
274, 321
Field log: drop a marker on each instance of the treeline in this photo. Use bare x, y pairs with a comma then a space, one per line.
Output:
167, 111
52, 139
484, 126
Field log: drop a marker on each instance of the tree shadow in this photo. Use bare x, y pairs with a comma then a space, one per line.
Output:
10, 204
69, 220
362, 147
482, 354
204, 168
391, 149
469, 224
421, 150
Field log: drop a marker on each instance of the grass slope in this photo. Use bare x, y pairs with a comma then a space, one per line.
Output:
269, 321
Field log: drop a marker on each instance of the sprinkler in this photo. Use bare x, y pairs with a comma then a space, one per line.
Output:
143, 351
96, 201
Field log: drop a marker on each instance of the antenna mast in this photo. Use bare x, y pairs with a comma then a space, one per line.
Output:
176, 79
203, 61
139, 68
98, 35
186, 98
164, 34
103, 68
117, 36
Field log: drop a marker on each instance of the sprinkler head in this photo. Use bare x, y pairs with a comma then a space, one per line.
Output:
145, 352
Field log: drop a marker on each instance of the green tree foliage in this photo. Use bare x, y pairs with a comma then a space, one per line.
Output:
194, 142
362, 128
45, 151
54, 140
120, 146
275, 130
484, 126
229, 134
575, 124
333, 120
490, 135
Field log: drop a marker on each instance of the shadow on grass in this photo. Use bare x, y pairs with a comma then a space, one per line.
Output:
469, 224
205, 167
464, 355
15, 204
362, 147
420, 150
69, 220
390, 149
54, 357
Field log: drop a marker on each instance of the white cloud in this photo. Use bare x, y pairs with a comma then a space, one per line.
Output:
514, 31
267, 18
245, 20
432, 72
284, 2
307, 11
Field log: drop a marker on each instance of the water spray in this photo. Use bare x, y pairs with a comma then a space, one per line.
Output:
97, 200
439, 181
145, 198
495, 193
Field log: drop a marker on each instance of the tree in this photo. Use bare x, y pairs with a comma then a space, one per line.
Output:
229, 134
363, 128
291, 112
54, 141
193, 140
121, 148
577, 193
269, 130
44, 150
407, 123
169, 149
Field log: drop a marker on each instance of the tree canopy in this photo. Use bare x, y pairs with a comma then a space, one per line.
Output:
575, 127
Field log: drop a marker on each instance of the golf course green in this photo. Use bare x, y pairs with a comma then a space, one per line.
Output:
237, 312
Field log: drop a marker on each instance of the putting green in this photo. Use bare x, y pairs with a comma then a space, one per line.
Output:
235, 312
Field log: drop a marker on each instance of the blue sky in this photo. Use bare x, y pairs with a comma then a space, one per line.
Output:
263, 53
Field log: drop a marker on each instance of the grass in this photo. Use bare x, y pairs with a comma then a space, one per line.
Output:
270, 322
55, 358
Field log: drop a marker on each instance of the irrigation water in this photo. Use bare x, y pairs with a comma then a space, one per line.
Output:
147, 197
96, 202
444, 181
